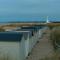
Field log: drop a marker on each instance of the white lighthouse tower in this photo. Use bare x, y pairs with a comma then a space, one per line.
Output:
47, 20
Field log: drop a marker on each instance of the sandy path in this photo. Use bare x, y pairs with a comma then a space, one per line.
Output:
42, 49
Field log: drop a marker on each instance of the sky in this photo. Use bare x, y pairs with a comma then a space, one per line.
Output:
29, 10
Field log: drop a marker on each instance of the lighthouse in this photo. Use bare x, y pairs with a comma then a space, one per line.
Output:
47, 21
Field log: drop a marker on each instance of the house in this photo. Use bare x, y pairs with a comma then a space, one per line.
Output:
27, 35
11, 46
30, 36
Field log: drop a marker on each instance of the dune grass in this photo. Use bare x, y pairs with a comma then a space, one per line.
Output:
54, 37
1, 29
55, 56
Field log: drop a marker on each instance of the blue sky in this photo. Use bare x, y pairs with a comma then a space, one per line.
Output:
28, 10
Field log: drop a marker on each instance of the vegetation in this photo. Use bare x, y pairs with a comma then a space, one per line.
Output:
55, 37
53, 24
2, 30
51, 27
54, 57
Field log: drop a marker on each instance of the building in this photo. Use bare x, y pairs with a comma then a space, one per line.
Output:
11, 46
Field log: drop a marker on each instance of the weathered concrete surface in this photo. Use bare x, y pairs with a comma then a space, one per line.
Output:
42, 49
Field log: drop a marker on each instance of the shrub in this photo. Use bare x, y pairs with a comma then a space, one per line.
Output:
55, 37
2, 30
